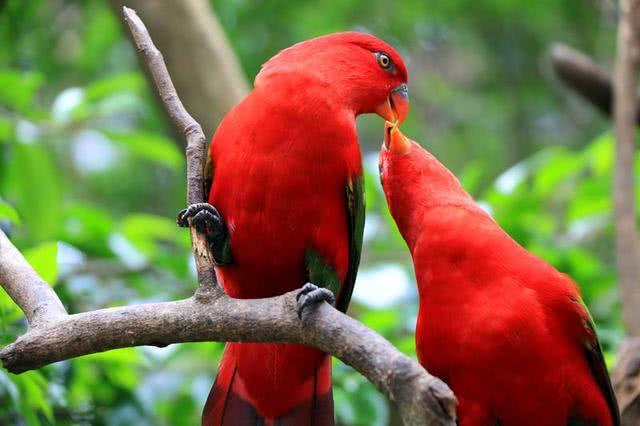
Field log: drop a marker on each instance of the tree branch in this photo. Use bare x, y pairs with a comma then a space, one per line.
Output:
226, 319
585, 77
582, 75
35, 297
625, 113
210, 315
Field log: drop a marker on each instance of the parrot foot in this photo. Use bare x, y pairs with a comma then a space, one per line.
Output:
311, 295
208, 221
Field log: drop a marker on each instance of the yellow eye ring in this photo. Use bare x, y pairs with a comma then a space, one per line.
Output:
384, 61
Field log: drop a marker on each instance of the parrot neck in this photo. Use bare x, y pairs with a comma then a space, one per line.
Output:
415, 185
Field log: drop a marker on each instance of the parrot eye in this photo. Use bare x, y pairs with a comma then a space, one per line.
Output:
384, 61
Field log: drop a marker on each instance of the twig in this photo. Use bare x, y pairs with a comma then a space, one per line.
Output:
196, 143
625, 113
210, 315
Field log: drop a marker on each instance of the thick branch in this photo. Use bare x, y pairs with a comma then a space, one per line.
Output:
625, 113
35, 297
423, 399
582, 75
226, 319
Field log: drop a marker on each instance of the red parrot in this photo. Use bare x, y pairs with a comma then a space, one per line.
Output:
289, 209
506, 331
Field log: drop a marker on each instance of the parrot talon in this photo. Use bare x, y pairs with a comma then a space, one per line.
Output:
311, 295
208, 221
193, 210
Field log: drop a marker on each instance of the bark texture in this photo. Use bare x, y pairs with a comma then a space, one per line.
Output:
625, 113
626, 382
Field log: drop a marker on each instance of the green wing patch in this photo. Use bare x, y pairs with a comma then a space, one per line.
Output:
574, 421
320, 272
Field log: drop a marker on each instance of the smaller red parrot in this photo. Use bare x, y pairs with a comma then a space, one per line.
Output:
506, 331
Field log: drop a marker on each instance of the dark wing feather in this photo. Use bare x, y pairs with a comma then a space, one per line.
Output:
599, 370
356, 212
593, 353
208, 175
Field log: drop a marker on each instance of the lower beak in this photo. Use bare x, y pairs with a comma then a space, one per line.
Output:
396, 107
394, 140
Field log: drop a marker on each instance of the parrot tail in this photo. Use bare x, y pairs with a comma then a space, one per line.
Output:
265, 384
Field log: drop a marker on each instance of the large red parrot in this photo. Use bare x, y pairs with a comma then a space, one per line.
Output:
507, 332
289, 210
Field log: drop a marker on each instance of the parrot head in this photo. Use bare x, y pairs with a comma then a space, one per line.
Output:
357, 70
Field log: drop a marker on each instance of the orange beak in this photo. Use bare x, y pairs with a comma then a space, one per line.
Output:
394, 140
396, 107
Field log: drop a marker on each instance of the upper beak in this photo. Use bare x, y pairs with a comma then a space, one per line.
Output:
396, 107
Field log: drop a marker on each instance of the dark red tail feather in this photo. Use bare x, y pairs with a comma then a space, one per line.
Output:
230, 402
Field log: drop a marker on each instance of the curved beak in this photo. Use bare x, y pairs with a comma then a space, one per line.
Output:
394, 140
396, 107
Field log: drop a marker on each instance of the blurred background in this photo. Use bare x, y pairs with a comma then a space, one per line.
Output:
92, 173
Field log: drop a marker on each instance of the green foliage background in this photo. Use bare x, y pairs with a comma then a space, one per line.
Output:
90, 179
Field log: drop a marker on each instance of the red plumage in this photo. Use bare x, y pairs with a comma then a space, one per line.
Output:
282, 159
506, 331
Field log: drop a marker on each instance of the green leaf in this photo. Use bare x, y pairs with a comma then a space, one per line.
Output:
33, 397
383, 321
8, 212
88, 227
6, 130
115, 370
19, 88
9, 311
471, 177
153, 147
591, 197
600, 154
43, 258
34, 185
104, 87
145, 231
556, 170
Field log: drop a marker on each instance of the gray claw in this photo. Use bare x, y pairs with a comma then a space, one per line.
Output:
310, 295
